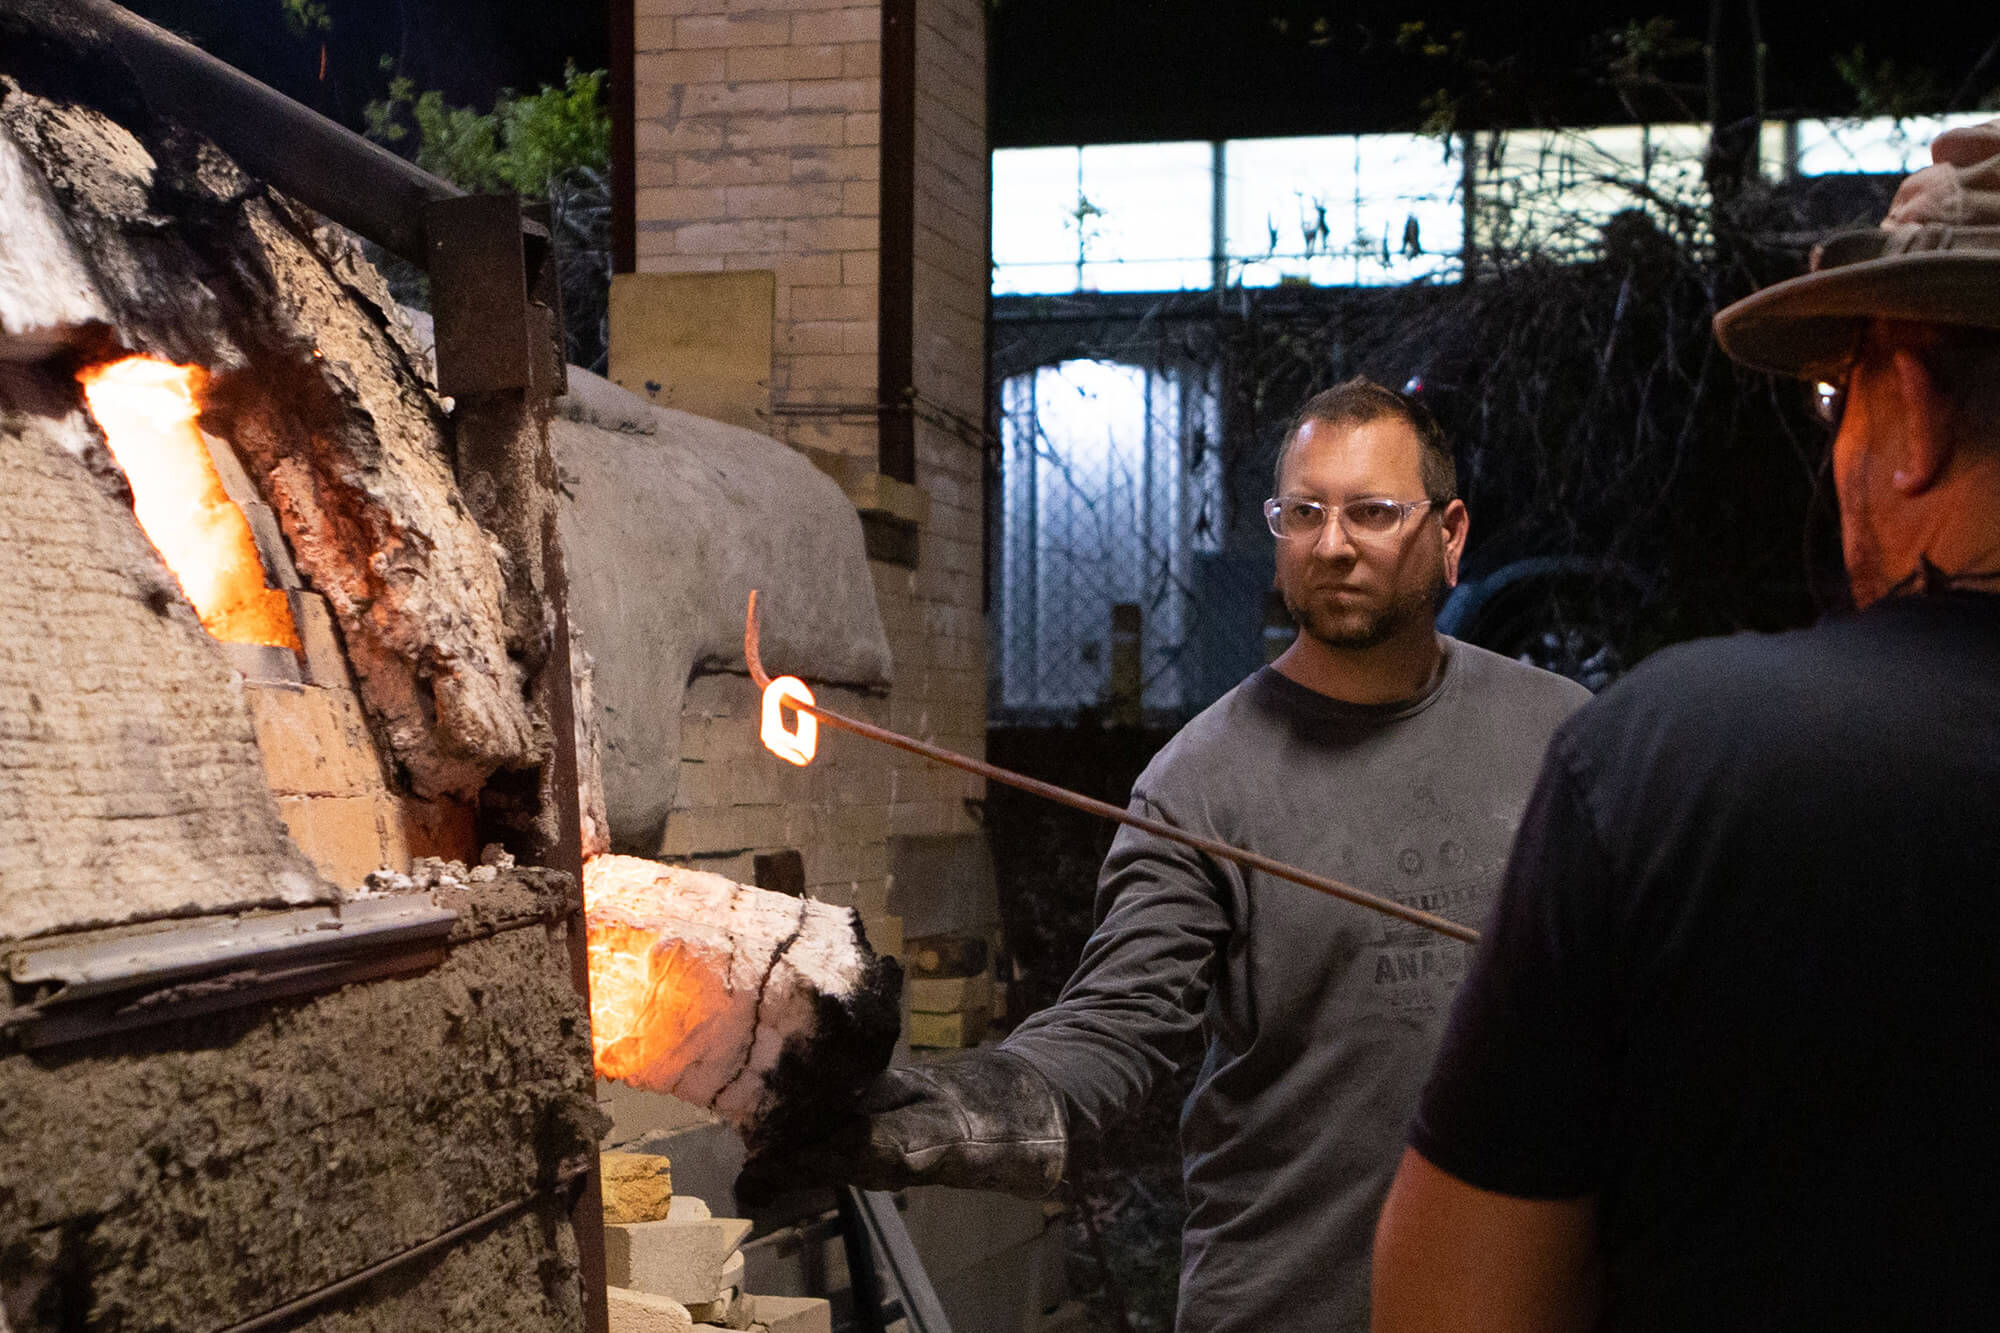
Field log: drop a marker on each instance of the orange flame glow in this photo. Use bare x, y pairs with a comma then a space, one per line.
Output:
648, 999
798, 746
148, 412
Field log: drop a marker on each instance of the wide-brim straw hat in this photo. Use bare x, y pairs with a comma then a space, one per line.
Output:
1934, 260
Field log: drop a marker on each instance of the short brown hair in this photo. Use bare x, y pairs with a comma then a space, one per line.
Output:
1360, 400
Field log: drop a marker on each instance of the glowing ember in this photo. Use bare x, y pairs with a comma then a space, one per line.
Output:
702, 987
147, 410
798, 746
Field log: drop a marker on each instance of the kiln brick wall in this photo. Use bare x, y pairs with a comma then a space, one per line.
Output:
736, 800
130, 784
932, 613
758, 148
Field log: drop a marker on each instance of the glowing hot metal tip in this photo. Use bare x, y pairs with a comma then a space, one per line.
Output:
797, 746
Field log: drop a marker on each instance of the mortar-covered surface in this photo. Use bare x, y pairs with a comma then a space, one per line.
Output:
192, 1175
314, 380
130, 782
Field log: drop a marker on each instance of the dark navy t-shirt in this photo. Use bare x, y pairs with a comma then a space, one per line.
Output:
1743, 983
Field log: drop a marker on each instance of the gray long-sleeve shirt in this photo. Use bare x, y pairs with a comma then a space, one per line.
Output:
1320, 1017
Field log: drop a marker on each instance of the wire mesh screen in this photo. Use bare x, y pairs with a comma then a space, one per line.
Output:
1111, 526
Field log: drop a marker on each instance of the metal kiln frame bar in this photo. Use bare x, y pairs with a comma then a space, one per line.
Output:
126, 980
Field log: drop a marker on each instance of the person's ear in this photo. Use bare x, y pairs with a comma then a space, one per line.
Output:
1454, 523
1926, 437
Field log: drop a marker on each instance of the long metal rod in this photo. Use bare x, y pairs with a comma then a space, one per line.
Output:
1333, 888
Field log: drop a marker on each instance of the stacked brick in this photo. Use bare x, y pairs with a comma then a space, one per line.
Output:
736, 801
758, 148
932, 612
953, 996
673, 1266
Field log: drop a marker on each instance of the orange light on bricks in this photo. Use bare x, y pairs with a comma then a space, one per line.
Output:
148, 412
798, 746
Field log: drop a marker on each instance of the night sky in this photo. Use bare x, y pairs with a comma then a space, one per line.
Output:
1068, 71
468, 49
1136, 70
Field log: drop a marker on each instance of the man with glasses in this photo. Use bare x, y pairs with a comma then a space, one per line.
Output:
1373, 750
1729, 1058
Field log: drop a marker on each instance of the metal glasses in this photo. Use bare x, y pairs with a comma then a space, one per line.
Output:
1292, 517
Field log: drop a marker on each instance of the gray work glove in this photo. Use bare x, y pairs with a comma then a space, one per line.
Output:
983, 1120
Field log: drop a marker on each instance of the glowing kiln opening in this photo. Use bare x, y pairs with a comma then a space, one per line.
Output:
148, 412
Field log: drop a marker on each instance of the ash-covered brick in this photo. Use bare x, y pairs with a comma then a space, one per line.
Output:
124, 744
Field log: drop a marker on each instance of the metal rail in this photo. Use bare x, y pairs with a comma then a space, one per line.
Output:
322, 164
1333, 888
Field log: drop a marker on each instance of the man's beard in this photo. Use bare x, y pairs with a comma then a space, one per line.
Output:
1370, 626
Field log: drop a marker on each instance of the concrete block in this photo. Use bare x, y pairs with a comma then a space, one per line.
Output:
869, 898
840, 25
726, 1301
948, 1031
704, 339
885, 935
790, 130
950, 995
684, 1260
863, 94
863, 127
790, 1314
943, 884
722, 99
314, 741
654, 72
861, 60
817, 61
636, 1187
681, 203
340, 835
644, 1312
262, 663
704, 31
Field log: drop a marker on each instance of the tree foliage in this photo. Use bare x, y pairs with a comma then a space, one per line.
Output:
307, 18
1884, 87
552, 145
526, 144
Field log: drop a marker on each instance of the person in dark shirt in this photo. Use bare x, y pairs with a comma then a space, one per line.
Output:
1729, 1056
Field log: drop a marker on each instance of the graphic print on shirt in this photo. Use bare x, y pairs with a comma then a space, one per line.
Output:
1415, 969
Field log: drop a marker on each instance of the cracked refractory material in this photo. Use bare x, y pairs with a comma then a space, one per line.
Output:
767, 1009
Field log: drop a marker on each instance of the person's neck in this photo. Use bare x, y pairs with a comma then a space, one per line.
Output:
1398, 668
1953, 527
